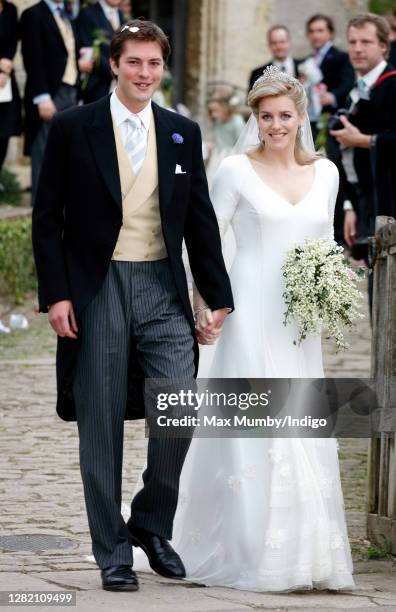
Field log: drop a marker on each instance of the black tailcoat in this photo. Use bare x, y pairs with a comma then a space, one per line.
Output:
44, 57
92, 22
376, 167
78, 215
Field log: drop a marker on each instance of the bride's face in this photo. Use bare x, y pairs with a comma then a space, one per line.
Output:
278, 121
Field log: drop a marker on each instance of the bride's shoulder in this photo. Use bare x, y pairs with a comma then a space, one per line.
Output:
232, 167
234, 161
327, 167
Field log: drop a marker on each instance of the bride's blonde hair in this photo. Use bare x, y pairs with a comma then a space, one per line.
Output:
296, 92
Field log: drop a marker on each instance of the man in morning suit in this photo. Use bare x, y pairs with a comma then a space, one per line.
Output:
338, 79
278, 38
371, 130
98, 21
123, 182
50, 61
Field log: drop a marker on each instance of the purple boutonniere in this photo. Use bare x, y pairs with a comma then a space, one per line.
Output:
177, 138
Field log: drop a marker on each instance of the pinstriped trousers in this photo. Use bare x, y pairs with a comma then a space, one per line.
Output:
137, 306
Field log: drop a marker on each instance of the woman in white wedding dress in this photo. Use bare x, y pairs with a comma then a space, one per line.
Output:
266, 514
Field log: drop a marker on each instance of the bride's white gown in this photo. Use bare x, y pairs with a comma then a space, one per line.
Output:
264, 514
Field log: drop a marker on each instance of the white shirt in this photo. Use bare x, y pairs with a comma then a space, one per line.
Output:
121, 113
288, 63
370, 77
111, 14
320, 53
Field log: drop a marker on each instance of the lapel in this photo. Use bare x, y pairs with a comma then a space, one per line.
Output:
103, 22
50, 20
101, 136
167, 152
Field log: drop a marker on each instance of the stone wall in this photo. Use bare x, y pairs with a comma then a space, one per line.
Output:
227, 38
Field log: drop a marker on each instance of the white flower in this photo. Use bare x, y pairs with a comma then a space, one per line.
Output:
320, 290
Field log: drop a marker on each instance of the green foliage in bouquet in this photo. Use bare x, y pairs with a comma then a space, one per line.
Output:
100, 37
17, 273
10, 188
320, 290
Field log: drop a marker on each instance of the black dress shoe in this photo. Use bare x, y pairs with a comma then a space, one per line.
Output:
162, 558
119, 578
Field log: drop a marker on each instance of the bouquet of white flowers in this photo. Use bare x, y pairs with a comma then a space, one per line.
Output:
320, 290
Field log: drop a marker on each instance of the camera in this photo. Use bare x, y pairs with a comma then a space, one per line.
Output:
334, 122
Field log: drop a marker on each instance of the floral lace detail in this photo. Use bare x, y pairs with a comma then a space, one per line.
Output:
235, 481
274, 538
276, 455
326, 483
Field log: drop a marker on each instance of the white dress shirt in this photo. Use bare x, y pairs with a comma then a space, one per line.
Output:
120, 114
288, 63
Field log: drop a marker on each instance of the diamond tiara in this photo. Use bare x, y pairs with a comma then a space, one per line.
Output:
273, 73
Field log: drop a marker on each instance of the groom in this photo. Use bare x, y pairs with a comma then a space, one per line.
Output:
122, 183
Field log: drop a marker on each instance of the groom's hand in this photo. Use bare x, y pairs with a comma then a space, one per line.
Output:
209, 325
62, 319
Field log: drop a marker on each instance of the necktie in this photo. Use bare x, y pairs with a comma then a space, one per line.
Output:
362, 89
136, 143
282, 67
114, 20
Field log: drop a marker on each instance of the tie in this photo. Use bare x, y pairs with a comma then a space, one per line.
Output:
136, 143
282, 67
362, 89
114, 20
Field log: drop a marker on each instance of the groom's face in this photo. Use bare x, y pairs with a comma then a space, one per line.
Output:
139, 71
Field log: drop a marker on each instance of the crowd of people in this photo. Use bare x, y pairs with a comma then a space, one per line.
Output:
351, 95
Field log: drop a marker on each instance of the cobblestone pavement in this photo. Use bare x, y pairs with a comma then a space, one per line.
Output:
41, 494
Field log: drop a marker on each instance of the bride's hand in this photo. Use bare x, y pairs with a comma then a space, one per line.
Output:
204, 325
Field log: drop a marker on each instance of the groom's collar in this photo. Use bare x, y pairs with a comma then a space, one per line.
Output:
120, 112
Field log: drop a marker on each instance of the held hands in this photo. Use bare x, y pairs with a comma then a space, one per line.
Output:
62, 319
47, 110
209, 323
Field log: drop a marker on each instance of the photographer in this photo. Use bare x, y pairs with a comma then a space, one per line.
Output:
369, 126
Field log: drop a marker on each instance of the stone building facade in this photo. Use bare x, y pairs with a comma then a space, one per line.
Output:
223, 40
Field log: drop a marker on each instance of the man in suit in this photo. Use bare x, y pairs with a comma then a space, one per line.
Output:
96, 24
338, 79
279, 42
50, 61
123, 182
371, 129
338, 76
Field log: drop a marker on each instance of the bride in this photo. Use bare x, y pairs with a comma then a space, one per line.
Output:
266, 514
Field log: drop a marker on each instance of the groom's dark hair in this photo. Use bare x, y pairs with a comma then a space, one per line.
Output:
141, 30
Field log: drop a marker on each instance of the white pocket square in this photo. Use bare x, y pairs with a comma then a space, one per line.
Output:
178, 170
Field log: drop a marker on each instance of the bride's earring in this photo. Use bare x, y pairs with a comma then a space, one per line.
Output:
261, 139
